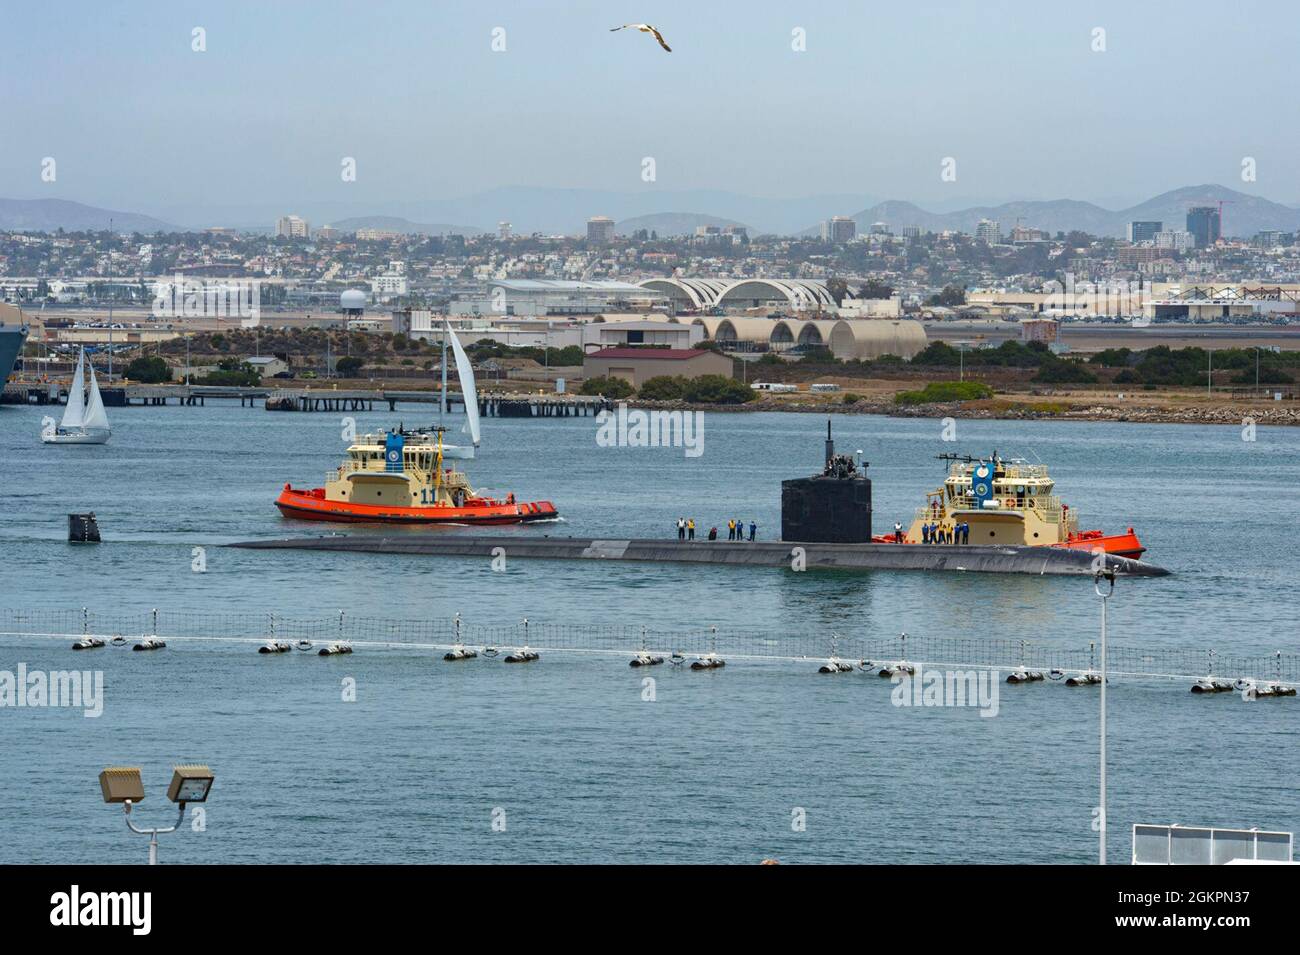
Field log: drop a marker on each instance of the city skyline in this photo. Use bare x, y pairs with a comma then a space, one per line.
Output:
1028, 104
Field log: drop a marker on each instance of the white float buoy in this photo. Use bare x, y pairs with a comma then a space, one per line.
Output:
1021, 675
1261, 691
902, 667
1210, 685
835, 665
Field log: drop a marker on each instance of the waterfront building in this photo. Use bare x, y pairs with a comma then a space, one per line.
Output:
638, 365
542, 297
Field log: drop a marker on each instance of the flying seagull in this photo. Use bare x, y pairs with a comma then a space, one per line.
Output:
644, 28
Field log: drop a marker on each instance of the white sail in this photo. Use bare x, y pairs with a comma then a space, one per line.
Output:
75, 412
96, 418
465, 372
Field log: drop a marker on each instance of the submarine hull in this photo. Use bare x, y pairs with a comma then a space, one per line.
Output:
809, 554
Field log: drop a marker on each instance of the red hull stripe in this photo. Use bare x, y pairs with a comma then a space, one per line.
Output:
306, 506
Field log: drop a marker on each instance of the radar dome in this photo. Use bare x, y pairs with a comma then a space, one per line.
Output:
353, 299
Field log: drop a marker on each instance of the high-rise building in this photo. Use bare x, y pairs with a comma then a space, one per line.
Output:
294, 227
1144, 231
911, 232
839, 229
1177, 241
988, 231
600, 229
1203, 223
503, 230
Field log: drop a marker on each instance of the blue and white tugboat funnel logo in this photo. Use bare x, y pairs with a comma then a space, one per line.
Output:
393, 445
982, 483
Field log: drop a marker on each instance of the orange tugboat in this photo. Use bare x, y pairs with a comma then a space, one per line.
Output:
1008, 501
400, 477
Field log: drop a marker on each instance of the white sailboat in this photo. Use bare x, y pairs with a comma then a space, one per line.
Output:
84, 419
465, 372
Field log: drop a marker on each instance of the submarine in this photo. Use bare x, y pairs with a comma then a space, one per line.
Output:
825, 525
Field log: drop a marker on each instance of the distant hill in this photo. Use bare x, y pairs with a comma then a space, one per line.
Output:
1243, 214
672, 223
404, 226
565, 211
50, 215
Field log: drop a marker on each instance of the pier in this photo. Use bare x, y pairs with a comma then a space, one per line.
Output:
494, 405
932, 557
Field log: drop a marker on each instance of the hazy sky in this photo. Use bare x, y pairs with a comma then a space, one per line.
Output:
1013, 91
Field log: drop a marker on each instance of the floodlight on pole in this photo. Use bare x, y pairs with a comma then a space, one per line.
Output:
123, 784
1106, 576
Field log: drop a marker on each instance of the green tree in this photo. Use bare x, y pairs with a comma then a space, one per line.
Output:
348, 366
952, 296
1062, 372
937, 353
718, 390
838, 289
874, 288
152, 370
615, 389
663, 388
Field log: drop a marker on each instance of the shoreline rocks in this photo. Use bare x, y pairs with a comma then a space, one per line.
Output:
1133, 414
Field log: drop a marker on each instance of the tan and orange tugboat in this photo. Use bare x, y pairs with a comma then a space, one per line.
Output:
402, 477
1007, 501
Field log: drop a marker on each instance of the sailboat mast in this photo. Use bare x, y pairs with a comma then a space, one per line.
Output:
442, 399
110, 298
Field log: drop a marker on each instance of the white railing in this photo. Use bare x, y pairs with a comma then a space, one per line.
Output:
1047, 507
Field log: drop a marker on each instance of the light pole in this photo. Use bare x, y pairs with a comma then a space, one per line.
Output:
122, 784
1108, 576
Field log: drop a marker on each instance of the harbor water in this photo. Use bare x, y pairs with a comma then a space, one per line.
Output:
565, 759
